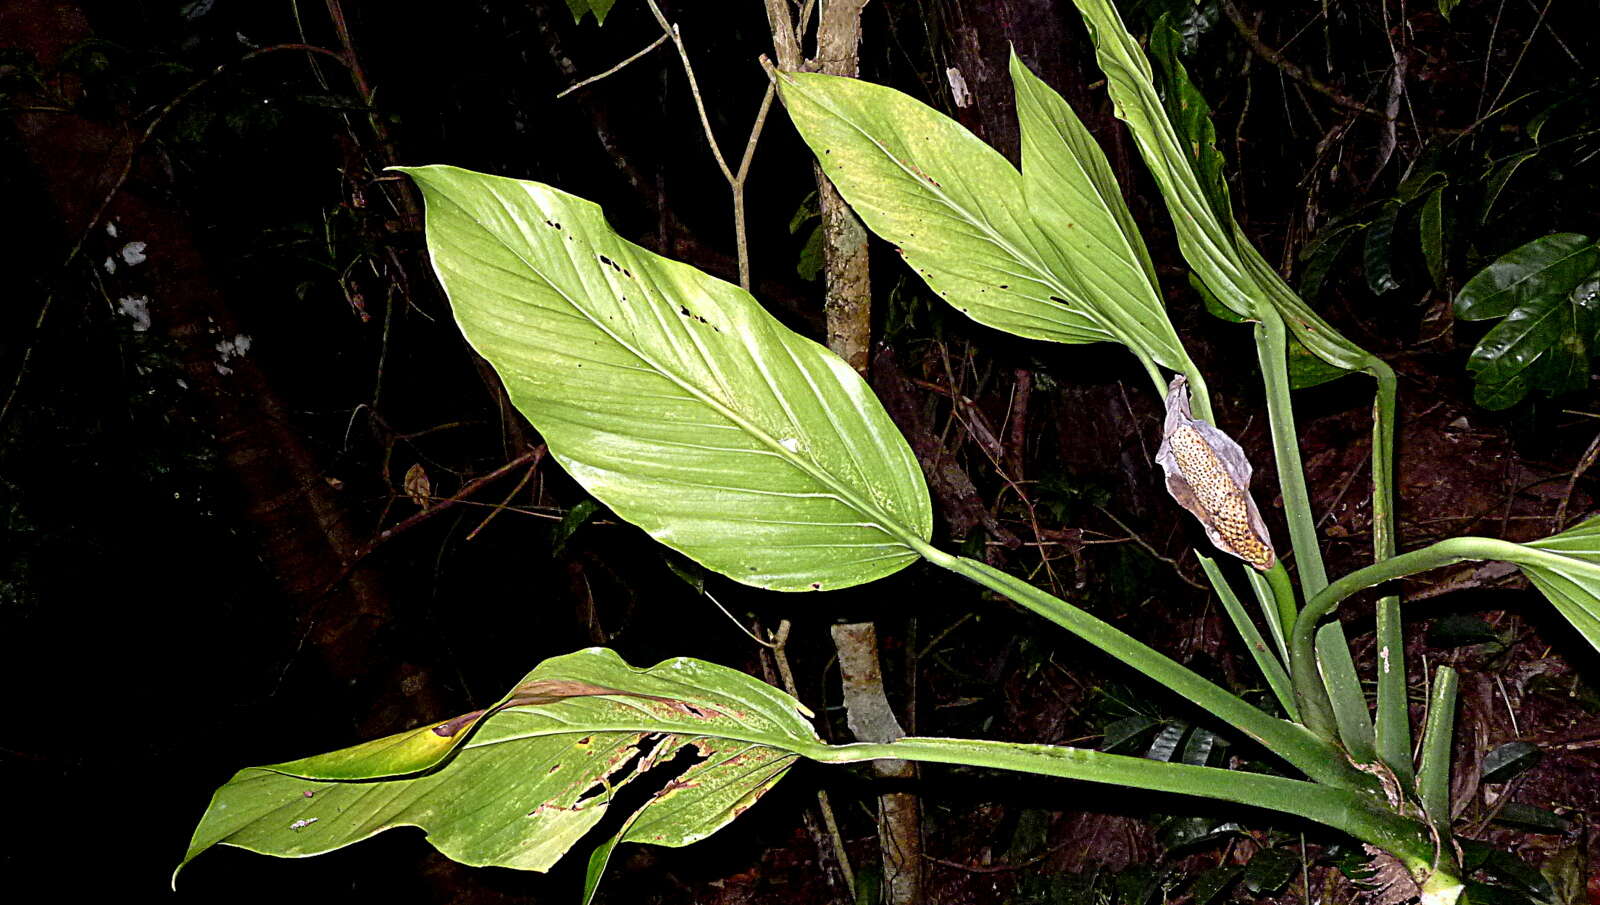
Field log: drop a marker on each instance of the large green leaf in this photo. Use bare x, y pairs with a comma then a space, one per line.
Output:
1172, 157
959, 214
530, 780
1549, 265
1074, 197
671, 396
1176, 141
1572, 586
1548, 291
522, 784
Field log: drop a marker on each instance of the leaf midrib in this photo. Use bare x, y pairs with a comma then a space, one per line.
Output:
841, 492
1040, 273
1515, 284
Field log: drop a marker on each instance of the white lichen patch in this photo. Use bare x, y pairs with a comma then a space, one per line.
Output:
136, 307
110, 264
958, 87
234, 348
133, 253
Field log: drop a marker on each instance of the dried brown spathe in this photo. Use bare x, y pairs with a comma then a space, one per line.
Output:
1208, 474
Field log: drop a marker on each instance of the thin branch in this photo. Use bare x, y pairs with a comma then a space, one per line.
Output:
773, 645
779, 648
1532, 33
694, 88
1276, 58
534, 456
526, 477
1134, 536
735, 180
613, 70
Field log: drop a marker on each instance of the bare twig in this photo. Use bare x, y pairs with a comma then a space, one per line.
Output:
1134, 536
735, 180
615, 69
526, 477
1276, 58
775, 646
1517, 64
1584, 464
533, 456
779, 647
1488, 56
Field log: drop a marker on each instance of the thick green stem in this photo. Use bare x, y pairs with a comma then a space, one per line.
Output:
1383, 412
1199, 394
1358, 814
1345, 694
1393, 714
1433, 780
1283, 598
1443, 553
1272, 668
1272, 346
1310, 696
1313, 756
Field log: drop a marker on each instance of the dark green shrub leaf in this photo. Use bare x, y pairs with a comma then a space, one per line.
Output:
1124, 735
1528, 817
581, 8
1435, 243
1269, 871
1549, 294
1213, 884
1547, 267
1165, 745
1377, 252
1508, 760
1323, 251
576, 517
1460, 630
1203, 748
1184, 832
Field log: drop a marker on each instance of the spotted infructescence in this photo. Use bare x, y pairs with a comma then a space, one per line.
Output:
1208, 474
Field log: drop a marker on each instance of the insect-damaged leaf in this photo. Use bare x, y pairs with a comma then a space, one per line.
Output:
671, 396
1208, 474
528, 781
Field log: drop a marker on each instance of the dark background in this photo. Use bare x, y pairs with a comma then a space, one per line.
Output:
193, 576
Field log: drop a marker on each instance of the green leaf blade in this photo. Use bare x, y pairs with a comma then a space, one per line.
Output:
1549, 265
1068, 185
951, 204
1432, 228
1570, 580
1546, 291
671, 396
540, 773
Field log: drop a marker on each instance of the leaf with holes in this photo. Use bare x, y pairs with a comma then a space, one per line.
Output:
523, 784
671, 396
